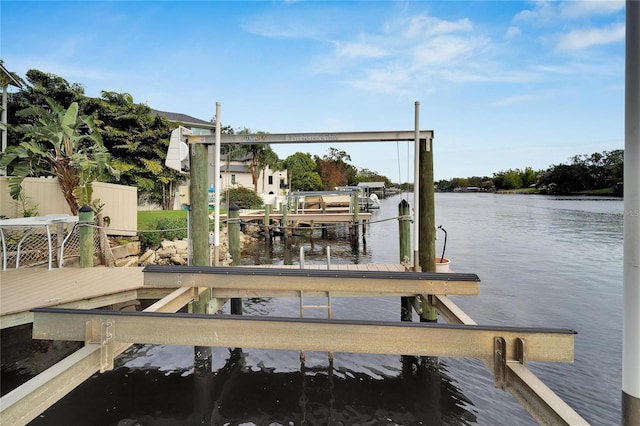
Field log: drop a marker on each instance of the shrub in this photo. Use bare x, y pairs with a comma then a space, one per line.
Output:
166, 228
244, 198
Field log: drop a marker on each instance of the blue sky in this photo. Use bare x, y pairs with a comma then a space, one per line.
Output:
503, 84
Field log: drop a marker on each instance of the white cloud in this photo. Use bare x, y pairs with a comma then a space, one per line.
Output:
513, 100
584, 38
578, 9
549, 12
359, 49
428, 26
512, 32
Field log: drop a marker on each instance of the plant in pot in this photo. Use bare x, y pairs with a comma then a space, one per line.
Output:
442, 263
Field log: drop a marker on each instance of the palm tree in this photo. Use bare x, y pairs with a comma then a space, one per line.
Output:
61, 143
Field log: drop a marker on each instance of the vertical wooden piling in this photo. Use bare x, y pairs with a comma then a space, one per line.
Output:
233, 226
284, 207
354, 227
234, 249
268, 233
199, 233
404, 225
427, 227
85, 217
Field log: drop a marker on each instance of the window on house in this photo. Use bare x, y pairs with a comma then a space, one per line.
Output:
233, 179
270, 180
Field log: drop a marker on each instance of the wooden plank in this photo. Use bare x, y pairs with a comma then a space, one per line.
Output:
25, 317
420, 339
25, 288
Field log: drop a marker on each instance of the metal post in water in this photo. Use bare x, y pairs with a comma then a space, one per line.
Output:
404, 231
85, 217
631, 311
416, 189
217, 187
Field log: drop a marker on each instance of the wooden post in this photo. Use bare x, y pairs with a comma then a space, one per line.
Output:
233, 226
427, 221
199, 233
285, 221
354, 226
267, 223
85, 217
234, 249
404, 224
198, 196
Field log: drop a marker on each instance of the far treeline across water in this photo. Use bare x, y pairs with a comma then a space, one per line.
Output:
595, 174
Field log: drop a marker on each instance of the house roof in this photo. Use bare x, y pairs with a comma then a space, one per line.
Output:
7, 78
184, 118
371, 184
234, 168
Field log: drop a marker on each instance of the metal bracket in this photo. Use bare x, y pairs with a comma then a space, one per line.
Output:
521, 351
499, 363
500, 359
102, 333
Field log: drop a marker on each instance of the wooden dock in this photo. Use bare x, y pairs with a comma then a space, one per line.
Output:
24, 289
61, 304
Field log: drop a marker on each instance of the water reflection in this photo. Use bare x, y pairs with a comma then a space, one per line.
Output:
240, 392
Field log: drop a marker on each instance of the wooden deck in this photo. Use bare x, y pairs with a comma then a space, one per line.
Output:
26, 288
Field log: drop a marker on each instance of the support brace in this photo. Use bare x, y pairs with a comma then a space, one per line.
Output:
500, 359
101, 333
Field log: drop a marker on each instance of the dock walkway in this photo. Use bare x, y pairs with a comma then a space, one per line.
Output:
24, 289
61, 305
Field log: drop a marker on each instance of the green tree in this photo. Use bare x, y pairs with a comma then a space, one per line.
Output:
37, 88
138, 141
366, 175
302, 172
334, 169
62, 143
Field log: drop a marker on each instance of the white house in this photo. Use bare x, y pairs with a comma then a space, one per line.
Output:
234, 173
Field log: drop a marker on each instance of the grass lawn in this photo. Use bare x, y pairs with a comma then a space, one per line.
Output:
146, 218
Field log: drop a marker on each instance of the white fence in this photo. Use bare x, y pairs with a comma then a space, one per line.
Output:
43, 196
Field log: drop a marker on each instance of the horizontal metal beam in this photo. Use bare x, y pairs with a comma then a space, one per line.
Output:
318, 137
261, 281
553, 345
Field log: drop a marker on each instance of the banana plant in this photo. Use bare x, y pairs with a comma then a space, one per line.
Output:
61, 143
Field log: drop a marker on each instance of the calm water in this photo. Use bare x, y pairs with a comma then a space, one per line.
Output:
543, 261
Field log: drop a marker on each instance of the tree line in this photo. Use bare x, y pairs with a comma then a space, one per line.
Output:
598, 172
55, 130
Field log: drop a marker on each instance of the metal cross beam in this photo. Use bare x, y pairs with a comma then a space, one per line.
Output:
420, 339
318, 137
264, 281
